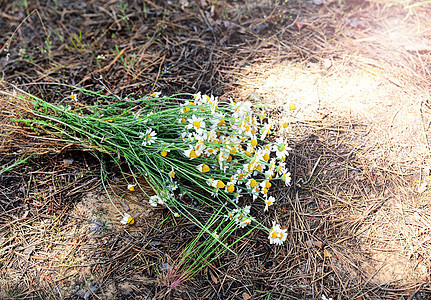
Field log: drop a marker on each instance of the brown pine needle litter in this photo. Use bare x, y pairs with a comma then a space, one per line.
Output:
357, 214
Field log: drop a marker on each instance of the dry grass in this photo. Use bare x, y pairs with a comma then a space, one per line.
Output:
358, 212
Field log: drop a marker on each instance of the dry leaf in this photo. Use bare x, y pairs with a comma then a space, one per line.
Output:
29, 250
246, 296
213, 278
311, 243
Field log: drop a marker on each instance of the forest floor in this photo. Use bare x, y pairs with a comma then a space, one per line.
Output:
358, 212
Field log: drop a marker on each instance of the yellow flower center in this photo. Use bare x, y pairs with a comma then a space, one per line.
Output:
164, 153
284, 125
220, 184
253, 183
197, 124
253, 142
280, 237
183, 120
205, 168
220, 123
231, 188
130, 221
268, 184
273, 235
172, 174
266, 156
292, 106
192, 154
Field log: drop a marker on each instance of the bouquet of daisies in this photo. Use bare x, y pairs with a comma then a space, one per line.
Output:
187, 147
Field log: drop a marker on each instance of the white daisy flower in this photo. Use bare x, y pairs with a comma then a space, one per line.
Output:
265, 131
277, 235
154, 200
156, 94
149, 137
268, 202
196, 123
286, 178
237, 195
127, 219
240, 216
280, 148
131, 187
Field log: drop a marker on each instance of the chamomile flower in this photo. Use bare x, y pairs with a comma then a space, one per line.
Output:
280, 148
265, 131
244, 222
127, 219
270, 173
73, 96
268, 202
237, 195
149, 137
171, 174
196, 123
156, 94
210, 151
255, 192
218, 184
197, 97
239, 215
186, 106
131, 187
200, 147
251, 183
190, 153
154, 200
242, 109
277, 235
265, 185
222, 157
286, 178
230, 187
283, 125
212, 136
203, 168
164, 152
173, 186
